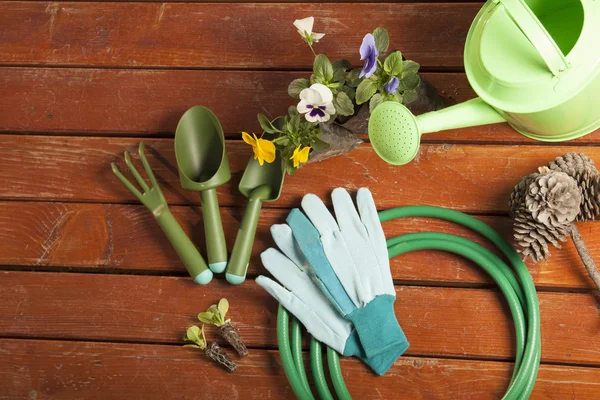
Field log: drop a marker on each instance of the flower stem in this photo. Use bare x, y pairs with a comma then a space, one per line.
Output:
588, 262
311, 48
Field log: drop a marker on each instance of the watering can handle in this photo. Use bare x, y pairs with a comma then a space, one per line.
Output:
537, 34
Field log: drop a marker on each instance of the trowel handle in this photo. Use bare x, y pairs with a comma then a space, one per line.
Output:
189, 255
213, 231
242, 248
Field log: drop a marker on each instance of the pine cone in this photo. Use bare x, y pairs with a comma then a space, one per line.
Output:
540, 199
553, 198
533, 236
517, 197
582, 169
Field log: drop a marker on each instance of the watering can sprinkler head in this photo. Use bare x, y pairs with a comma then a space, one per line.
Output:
395, 133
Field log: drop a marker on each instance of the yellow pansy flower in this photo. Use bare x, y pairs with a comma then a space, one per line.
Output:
264, 150
300, 156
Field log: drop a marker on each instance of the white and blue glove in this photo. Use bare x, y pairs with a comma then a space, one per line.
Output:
306, 302
350, 263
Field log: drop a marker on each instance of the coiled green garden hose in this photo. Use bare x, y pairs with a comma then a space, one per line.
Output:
516, 284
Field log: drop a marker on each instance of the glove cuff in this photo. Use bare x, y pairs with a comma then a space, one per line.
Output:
379, 363
377, 326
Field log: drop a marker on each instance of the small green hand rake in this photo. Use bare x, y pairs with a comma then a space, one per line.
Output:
154, 201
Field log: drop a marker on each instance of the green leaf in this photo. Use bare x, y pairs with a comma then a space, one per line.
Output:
382, 39
292, 110
350, 92
323, 69
409, 82
193, 334
339, 76
343, 105
295, 121
353, 79
393, 64
297, 86
192, 345
410, 67
282, 141
376, 100
266, 124
365, 91
344, 64
289, 167
206, 317
223, 307
409, 96
319, 145
339, 70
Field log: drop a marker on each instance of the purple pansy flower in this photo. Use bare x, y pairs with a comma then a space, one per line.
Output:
316, 103
369, 53
392, 85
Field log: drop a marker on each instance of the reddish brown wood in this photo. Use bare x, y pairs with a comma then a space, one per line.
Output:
73, 370
465, 323
218, 36
126, 238
463, 177
58, 195
148, 102
143, 102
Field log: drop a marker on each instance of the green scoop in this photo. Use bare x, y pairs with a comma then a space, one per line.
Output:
260, 183
203, 165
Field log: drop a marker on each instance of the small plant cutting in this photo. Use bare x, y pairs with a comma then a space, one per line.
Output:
215, 315
334, 103
546, 205
213, 351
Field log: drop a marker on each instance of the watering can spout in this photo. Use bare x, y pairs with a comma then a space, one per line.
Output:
474, 112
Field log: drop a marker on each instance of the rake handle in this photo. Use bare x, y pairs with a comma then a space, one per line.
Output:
189, 255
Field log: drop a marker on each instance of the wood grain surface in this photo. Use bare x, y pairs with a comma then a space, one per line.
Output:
74, 370
148, 102
125, 238
216, 35
448, 322
455, 176
94, 302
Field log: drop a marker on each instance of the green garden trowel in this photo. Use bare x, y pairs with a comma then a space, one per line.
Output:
259, 183
203, 165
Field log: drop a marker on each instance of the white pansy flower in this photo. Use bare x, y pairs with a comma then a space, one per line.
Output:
316, 103
305, 27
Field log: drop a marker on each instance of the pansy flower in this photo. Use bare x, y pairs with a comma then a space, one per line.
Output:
392, 85
264, 150
305, 27
316, 103
300, 156
369, 53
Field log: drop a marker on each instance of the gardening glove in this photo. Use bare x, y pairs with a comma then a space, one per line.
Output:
306, 302
351, 265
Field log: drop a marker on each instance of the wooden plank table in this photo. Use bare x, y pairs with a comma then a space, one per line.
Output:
93, 300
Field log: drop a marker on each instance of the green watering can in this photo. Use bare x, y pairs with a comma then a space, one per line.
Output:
534, 64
